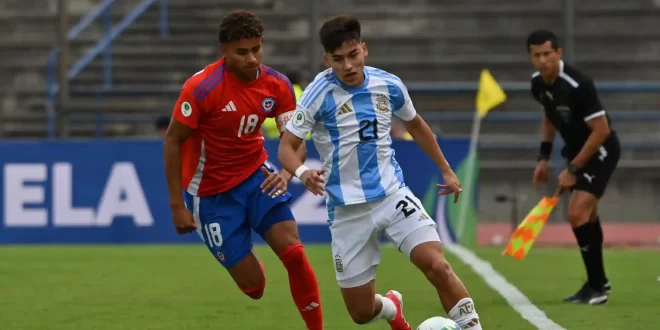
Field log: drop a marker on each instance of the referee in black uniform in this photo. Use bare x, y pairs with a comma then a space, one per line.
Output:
591, 150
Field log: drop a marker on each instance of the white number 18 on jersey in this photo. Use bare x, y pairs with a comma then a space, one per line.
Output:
248, 124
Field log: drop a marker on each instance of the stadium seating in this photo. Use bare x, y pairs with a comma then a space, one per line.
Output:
432, 41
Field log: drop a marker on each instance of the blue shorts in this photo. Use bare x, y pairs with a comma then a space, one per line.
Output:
226, 220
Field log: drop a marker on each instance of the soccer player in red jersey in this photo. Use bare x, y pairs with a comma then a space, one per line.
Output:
214, 153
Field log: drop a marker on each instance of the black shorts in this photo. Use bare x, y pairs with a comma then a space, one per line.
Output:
594, 177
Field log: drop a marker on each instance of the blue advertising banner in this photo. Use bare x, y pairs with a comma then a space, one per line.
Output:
115, 192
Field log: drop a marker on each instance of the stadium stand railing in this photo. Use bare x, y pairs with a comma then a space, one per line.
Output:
104, 46
106, 88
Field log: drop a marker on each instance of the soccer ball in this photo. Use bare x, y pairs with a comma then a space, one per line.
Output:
438, 323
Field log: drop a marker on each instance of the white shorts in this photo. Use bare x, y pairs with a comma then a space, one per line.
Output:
356, 231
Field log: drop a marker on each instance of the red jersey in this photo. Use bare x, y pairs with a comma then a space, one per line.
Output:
226, 146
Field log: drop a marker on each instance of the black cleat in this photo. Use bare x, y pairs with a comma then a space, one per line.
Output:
608, 287
587, 295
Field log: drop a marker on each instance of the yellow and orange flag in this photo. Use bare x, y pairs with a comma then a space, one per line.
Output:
528, 230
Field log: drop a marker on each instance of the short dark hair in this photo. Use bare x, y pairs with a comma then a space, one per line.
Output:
338, 30
239, 25
539, 37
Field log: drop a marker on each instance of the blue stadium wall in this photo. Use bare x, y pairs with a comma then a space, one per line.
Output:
102, 192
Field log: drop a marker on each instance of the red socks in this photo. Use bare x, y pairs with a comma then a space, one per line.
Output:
304, 286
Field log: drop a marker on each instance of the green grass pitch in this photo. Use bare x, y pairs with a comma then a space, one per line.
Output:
182, 287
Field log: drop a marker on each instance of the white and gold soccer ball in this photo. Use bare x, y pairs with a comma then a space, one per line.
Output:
438, 323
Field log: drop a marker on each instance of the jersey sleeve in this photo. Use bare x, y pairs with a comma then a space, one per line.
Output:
588, 102
402, 105
286, 103
302, 121
188, 109
310, 106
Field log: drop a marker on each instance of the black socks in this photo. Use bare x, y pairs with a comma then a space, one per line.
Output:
590, 240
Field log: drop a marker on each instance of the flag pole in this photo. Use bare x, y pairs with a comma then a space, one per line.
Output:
469, 176
489, 95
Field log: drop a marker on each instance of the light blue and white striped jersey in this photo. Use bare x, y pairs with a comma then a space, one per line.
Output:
351, 131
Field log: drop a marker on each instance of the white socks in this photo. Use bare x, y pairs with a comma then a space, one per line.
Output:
388, 312
465, 315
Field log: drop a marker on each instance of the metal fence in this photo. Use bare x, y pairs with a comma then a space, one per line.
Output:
58, 86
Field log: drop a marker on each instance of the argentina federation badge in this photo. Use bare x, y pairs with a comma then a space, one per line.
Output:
268, 104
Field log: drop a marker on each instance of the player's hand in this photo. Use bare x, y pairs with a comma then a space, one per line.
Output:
566, 180
540, 174
313, 181
451, 185
183, 220
275, 183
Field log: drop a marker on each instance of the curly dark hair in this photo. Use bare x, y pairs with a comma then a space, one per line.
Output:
338, 30
239, 25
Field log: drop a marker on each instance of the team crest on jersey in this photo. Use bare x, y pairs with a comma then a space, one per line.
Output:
382, 104
268, 104
339, 265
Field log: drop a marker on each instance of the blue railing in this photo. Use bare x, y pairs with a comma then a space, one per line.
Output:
102, 46
518, 87
531, 116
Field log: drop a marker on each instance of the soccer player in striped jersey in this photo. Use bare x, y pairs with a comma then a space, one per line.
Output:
214, 152
349, 110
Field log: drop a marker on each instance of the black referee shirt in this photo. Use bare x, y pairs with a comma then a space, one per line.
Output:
569, 104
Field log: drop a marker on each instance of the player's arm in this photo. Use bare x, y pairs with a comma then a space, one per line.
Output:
286, 108
292, 139
301, 150
296, 129
185, 117
594, 116
418, 128
426, 140
177, 133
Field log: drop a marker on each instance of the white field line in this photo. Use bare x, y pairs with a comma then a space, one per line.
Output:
516, 299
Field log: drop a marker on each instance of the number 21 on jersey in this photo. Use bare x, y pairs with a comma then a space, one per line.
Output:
248, 124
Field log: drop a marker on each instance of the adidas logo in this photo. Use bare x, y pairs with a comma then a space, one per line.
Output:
344, 109
311, 307
229, 107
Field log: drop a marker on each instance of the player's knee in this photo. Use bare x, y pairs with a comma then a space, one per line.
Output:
293, 255
439, 272
578, 216
255, 292
581, 208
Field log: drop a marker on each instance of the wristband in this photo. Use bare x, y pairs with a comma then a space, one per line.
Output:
545, 150
300, 170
